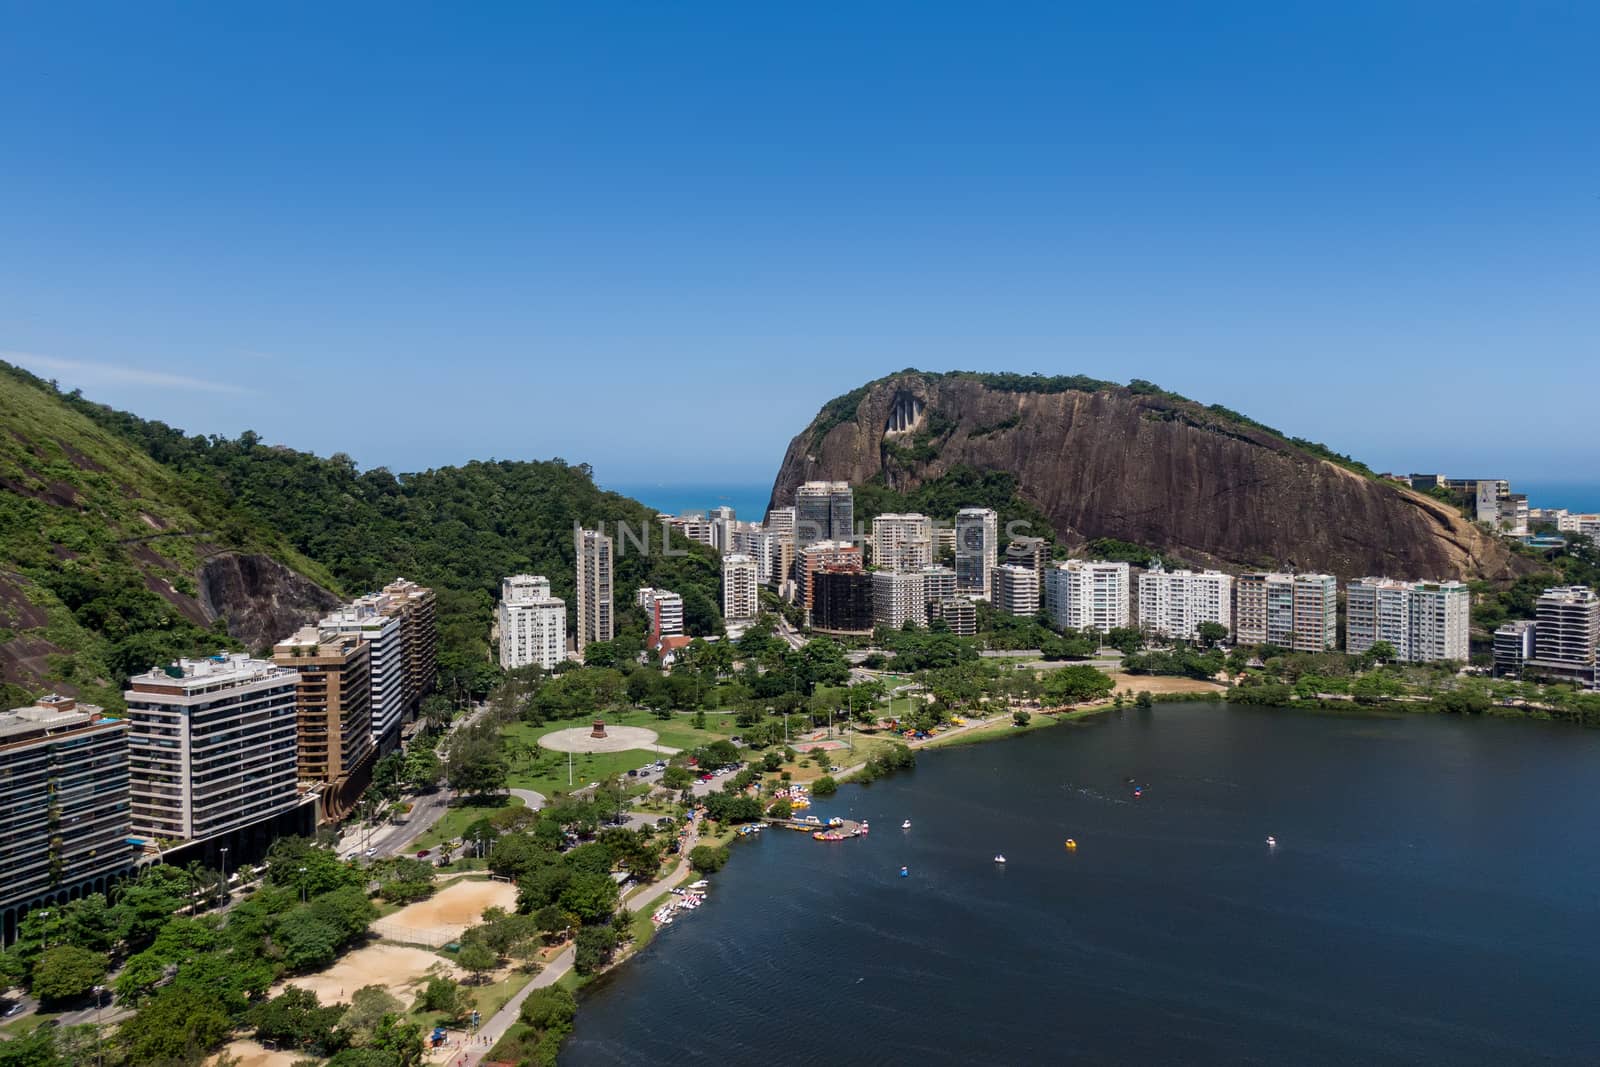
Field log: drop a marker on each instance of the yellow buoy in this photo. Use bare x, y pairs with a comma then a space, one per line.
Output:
1071, 845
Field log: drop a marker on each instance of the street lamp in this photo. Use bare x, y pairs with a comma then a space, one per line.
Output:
224, 873
99, 999
302, 885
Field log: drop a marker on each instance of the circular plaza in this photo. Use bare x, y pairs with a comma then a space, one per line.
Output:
583, 739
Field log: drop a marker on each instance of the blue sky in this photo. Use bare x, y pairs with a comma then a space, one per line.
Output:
657, 237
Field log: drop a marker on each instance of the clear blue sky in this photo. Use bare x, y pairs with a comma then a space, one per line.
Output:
656, 237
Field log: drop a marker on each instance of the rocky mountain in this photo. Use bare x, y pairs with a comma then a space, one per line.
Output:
1138, 464
110, 562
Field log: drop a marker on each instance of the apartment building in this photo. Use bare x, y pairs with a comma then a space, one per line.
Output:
1087, 595
741, 597
1515, 643
417, 608
824, 511
532, 623
1423, 621
977, 550
1294, 611
897, 598
211, 745
333, 702
937, 583
843, 601
902, 541
1568, 635
958, 613
596, 618
1014, 589
63, 804
380, 629
663, 609
838, 555
1031, 552
1173, 604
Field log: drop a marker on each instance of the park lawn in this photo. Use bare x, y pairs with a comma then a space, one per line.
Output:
457, 818
547, 773
900, 707
490, 998
865, 749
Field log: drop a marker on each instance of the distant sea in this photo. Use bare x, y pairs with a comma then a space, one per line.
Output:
749, 502
1574, 496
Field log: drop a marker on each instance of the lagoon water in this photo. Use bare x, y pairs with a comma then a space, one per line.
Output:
1434, 898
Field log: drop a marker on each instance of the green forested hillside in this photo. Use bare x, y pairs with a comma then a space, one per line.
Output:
457, 529
100, 550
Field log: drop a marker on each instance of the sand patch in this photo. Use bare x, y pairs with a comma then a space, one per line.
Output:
397, 968
251, 1054
446, 915
1157, 683
617, 739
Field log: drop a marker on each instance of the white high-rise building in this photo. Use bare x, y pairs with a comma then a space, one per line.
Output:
596, 620
663, 609
740, 589
1087, 595
1567, 642
1015, 589
383, 632
1422, 621
898, 598
533, 624
977, 550
902, 542
1173, 604
1294, 611
938, 583
211, 744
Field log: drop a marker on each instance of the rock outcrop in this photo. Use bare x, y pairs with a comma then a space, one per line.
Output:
260, 599
1135, 463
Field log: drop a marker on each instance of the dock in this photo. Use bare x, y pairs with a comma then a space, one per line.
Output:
846, 829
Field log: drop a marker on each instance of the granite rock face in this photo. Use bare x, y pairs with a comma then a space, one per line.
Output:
261, 600
1144, 466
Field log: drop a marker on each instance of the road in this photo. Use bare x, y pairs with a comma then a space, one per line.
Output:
561, 963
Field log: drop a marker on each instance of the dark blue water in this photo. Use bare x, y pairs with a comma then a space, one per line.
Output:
1574, 496
1435, 898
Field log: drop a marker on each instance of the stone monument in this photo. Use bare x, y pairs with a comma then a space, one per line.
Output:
599, 728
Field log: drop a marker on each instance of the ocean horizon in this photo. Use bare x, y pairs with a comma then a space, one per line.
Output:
749, 501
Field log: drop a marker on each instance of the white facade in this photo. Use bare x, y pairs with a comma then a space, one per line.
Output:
1173, 604
740, 588
1014, 589
902, 542
533, 624
663, 609
977, 550
211, 745
382, 632
898, 598
1087, 595
1423, 621
938, 583
596, 618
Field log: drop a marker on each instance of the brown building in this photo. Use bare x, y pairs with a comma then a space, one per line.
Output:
333, 704
417, 608
834, 555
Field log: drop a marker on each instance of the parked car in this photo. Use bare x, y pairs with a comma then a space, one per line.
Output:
422, 854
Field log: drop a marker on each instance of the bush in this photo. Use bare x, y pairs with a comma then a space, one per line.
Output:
781, 809
550, 1006
708, 859
594, 949
824, 786
1020, 718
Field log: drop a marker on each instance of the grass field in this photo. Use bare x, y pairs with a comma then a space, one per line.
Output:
456, 820
546, 772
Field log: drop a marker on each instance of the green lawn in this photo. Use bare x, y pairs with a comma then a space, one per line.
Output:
546, 772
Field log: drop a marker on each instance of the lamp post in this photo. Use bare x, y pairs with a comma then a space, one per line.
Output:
302, 885
99, 999
224, 874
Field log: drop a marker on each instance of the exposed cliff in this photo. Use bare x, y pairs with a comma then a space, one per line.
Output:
259, 599
1139, 464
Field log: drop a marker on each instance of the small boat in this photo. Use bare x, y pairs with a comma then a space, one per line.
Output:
905, 872
1138, 791
1272, 842
906, 825
999, 858
701, 884
864, 827
1072, 846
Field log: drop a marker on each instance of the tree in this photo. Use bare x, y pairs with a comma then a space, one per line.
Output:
1211, 634
1020, 718
708, 859
477, 958
781, 809
1381, 652
307, 942
549, 1007
1144, 699
824, 786
177, 1025
676, 777
442, 995
591, 897
594, 949
475, 763
64, 971
422, 769
296, 1018
1072, 685
368, 1006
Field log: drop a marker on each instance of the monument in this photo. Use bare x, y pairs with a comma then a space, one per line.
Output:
599, 728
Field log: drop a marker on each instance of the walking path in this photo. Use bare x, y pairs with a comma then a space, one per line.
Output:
495, 1028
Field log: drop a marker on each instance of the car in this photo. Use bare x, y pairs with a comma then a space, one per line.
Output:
422, 853
15, 1009
707, 777
373, 851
